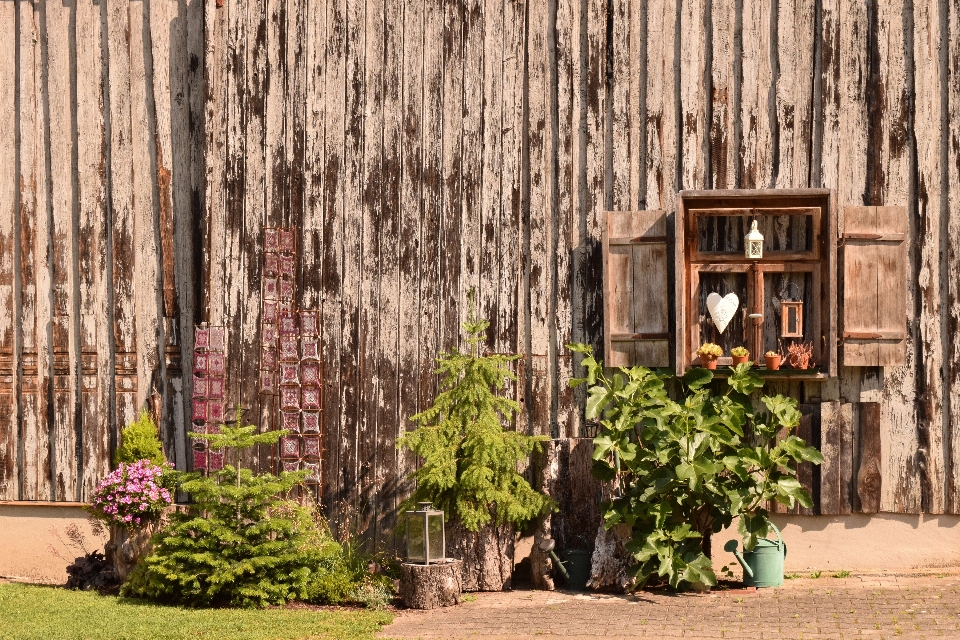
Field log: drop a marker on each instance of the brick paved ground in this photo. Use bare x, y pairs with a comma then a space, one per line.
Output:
874, 606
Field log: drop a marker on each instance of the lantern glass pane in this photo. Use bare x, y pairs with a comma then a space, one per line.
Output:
416, 538
435, 527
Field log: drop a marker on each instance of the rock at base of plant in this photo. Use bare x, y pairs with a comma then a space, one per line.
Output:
430, 586
487, 555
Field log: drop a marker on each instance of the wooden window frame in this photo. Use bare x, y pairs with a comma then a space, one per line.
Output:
820, 261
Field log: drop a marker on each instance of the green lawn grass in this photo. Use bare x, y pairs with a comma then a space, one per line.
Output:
28, 612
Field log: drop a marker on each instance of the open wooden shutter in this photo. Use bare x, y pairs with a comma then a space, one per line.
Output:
636, 301
873, 254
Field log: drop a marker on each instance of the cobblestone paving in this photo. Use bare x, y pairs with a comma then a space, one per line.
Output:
877, 606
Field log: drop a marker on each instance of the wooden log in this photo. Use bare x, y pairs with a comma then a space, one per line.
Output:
429, 586
487, 555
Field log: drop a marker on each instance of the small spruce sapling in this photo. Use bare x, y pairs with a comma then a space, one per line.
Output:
470, 461
240, 544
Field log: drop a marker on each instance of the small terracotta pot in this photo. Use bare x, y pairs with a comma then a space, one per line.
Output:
740, 359
773, 362
708, 362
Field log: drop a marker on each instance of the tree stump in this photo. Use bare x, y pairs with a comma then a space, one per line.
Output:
428, 586
487, 555
126, 548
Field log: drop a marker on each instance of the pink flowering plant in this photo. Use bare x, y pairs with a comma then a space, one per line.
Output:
133, 496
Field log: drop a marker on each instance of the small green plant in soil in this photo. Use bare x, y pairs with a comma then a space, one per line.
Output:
470, 460
139, 440
683, 469
241, 544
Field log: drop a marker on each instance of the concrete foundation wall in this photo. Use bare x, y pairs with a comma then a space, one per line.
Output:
888, 542
26, 535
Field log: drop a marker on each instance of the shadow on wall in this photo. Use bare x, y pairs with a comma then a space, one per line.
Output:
861, 542
25, 533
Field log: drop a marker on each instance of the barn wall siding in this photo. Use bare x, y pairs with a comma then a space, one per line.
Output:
100, 191
423, 149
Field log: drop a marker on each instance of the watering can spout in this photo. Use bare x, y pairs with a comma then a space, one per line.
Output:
731, 547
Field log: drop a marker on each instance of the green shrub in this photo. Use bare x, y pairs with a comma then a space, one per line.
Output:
139, 441
240, 544
683, 469
470, 461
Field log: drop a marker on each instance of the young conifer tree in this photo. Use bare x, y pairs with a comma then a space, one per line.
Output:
470, 460
139, 440
241, 543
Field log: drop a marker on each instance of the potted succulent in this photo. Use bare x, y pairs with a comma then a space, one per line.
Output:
740, 355
773, 360
709, 353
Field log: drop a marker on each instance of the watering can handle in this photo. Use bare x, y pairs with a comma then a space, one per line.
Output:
780, 542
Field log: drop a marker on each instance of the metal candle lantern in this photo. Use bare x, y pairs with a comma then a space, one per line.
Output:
426, 537
753, 243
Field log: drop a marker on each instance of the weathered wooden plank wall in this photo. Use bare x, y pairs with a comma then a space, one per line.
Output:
424, 148
100, 111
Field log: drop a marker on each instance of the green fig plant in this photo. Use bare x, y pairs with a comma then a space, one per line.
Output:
682, 469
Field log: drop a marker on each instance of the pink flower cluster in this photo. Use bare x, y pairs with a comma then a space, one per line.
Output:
132, 496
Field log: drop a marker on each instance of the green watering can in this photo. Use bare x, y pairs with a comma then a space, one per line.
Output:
762, 567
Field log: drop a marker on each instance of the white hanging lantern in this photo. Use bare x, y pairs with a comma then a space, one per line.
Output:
753, 243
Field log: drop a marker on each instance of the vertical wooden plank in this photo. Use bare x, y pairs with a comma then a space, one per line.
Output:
830, 447
621, 115
332, 263
9, 308
95, 331
193, 251
122, 225
352, 276
848, 427
566, 50
539, 274
410, 211
147, 277
724, 84
869, 478
260, 55
387, 477
929, 269
34, 264
756, 147
59, 91
795, 33
828, 120
661, 105
694, 96
372, 241
953, 253
233, 295
452, 192
166, 64
215, 154
591, 152
491, 161
471, 154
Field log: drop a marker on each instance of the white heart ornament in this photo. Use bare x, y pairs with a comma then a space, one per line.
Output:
722, 309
